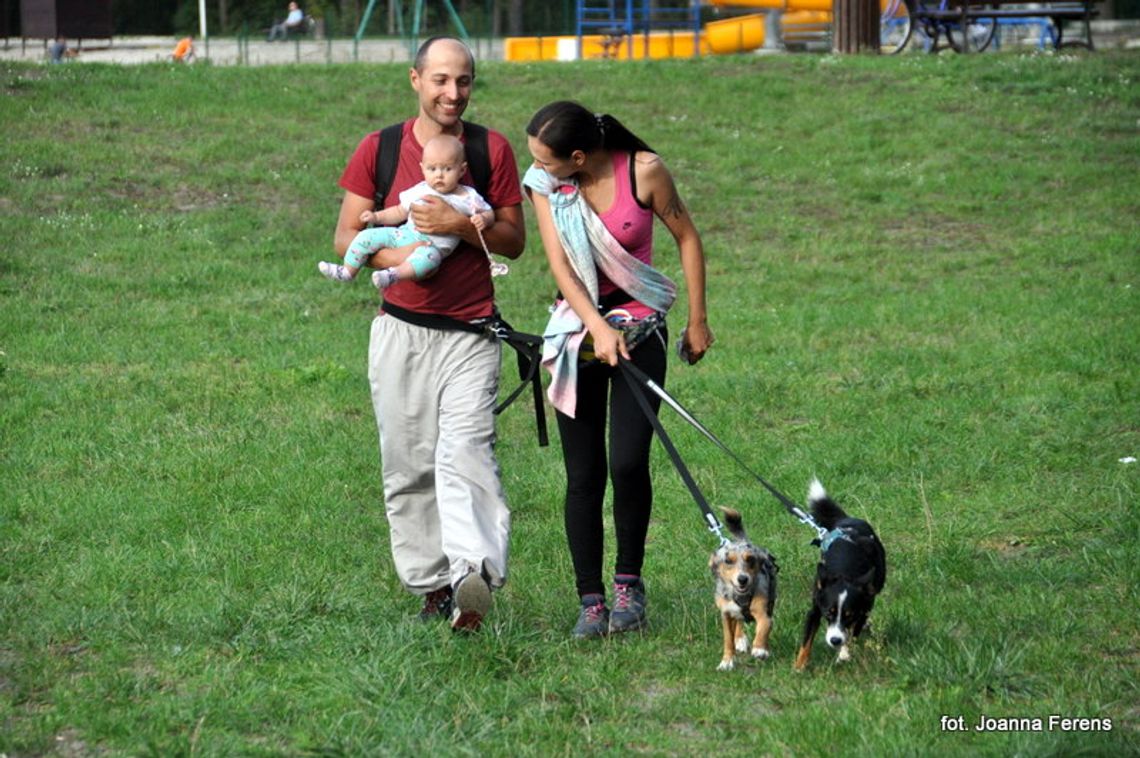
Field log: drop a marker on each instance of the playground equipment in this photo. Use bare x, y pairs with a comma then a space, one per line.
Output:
632, 29
411, 36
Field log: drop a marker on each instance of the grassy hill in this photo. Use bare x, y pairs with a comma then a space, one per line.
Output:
923, 278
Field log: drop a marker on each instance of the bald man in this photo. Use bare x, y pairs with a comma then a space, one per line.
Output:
434, 374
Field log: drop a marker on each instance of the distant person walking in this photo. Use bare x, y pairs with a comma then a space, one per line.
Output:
292, 22
59, 50
184, 50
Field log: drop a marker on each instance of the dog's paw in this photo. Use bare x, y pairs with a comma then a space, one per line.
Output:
844, 654
760, 652
742, 644
726, 665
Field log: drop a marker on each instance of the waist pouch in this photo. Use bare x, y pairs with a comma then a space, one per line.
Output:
635, 332
527, 346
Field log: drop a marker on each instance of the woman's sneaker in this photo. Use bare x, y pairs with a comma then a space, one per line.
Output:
593, 619
629, 606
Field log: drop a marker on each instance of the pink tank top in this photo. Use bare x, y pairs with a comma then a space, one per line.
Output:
631, 224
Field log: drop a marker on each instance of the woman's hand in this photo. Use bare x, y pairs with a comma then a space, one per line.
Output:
609, 343
696, 340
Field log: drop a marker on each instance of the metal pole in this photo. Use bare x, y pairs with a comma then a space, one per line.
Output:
364, 19
457, 21
416, 17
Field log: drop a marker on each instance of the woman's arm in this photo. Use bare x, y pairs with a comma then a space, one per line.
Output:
608, 342
656, 188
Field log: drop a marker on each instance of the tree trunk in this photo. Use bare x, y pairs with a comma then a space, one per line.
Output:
515, 19
856, 26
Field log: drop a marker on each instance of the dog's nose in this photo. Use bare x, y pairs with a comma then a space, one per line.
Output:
835, 640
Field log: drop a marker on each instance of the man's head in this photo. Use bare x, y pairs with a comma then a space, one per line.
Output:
442, 76
444, 163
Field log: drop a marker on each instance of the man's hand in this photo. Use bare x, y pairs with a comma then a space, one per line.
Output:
434, 216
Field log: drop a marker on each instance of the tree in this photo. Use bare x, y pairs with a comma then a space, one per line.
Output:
856, 27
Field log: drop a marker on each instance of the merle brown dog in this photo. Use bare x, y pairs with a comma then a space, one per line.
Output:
745, 591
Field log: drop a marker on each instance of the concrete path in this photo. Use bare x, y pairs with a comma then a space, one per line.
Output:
227, 51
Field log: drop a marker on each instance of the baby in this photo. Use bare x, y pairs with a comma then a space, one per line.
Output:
443, 165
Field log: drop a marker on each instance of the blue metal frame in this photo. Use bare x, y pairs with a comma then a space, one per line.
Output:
625, 18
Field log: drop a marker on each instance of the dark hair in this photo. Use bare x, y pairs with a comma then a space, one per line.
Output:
566, 126
422, 53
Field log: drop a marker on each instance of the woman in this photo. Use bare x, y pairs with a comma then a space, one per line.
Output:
596, 188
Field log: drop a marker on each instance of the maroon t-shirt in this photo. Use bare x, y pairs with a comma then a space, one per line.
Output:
462, 287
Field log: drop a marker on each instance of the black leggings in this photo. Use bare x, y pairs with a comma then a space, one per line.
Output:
584, 453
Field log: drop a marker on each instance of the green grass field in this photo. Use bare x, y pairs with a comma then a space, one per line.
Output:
923, 279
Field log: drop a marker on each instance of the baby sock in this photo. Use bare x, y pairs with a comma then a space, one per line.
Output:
335, 271
384, 278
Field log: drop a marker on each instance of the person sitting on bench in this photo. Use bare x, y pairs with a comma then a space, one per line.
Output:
294, 22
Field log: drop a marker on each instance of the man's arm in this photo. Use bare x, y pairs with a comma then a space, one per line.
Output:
348, 224
507, 237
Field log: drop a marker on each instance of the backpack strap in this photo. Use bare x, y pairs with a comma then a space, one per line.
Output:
478, 156
388, 158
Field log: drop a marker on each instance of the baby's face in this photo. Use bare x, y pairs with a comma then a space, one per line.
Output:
443, 168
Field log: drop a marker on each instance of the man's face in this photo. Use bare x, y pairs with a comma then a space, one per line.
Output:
444, 85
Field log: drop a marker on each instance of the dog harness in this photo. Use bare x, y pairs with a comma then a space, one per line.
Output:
830, 538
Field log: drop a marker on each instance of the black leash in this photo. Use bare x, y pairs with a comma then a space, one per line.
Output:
713, 522
632, 373
528, 348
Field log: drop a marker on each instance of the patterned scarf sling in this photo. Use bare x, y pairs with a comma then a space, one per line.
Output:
590, 247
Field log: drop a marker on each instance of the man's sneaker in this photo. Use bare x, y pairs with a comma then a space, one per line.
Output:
472, 601
593, 619
437, 603
628, 613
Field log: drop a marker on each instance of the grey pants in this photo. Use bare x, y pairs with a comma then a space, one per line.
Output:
434, 394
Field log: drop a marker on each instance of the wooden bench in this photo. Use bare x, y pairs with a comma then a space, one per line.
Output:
964, 12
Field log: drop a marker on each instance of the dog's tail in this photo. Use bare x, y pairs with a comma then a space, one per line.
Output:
824, 510
735, 524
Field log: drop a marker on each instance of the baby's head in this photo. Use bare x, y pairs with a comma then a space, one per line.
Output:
444, 163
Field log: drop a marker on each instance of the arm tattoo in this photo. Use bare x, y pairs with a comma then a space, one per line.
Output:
674, 208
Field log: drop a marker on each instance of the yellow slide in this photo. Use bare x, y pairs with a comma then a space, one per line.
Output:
738, 34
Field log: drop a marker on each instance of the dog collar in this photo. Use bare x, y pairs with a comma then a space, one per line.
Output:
831, 537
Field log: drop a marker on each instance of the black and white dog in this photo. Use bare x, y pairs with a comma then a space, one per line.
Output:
851, 572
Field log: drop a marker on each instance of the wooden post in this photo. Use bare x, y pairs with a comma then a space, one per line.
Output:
856, 26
